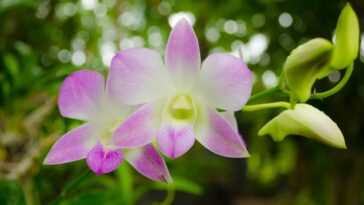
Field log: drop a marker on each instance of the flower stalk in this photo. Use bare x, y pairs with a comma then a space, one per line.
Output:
338, 87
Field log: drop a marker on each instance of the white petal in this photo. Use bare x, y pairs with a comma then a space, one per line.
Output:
137, 76
148, 162
225, 82
80, 94
217, 135
230, 118
140, 128
183, 59
72, 146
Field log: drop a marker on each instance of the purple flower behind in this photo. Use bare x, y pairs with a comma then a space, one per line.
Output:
83, 96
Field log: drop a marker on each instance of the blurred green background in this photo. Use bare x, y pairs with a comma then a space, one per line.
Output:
42, 41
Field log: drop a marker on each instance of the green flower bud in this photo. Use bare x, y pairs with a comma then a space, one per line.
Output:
305, 64
307, 121
347, 38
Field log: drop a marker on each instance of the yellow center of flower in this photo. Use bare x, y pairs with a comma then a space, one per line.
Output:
181, 107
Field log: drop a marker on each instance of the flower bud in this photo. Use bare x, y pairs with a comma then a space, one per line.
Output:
347, 38
305, 64
307, 121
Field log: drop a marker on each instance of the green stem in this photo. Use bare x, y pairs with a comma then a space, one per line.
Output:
29, 195
338, 87
292, 101
170, 196
250, 108
281, 81
71, 187
267, 92
278, 88
264, 93
75, 183
125, 177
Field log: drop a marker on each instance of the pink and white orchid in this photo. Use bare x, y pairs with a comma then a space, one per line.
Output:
83, 96
179, 99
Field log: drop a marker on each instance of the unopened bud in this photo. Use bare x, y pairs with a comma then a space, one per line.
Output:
305, 120
347, 38
305, 64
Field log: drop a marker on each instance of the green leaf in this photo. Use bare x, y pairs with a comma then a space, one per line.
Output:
23, 48
125, 178
347, 38
11, 193
305, 120
305, 65
182, 184
11, 65
93, 196
9, 4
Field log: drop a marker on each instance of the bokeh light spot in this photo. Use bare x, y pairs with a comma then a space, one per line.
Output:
212, 34
269, 79
258, 20
230, 27
89, 4
335, 77
78, 58
64, 56
285, 20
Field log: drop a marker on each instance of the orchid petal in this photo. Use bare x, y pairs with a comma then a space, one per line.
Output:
217, 135
225, 82
139, 128
175, 139
80, 93
148, 162
230, 118
101, 160
137, 76
182, 58
72, 146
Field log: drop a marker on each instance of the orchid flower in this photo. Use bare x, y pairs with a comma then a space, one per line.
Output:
83, 96
179, 99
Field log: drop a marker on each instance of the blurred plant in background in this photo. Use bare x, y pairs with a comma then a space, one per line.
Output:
41, 42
